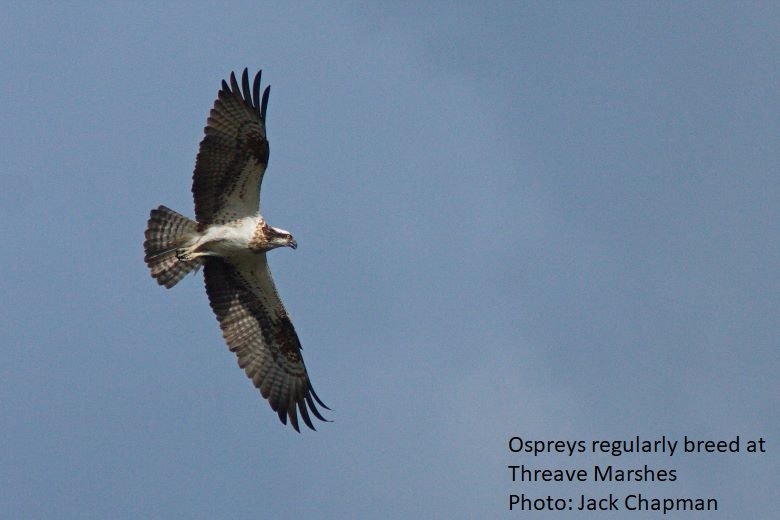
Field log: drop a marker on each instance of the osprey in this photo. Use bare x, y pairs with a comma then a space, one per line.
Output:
229, 239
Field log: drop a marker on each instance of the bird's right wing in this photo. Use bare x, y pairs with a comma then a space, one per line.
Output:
256, 327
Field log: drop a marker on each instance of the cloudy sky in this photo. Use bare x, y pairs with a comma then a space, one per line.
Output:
552, 221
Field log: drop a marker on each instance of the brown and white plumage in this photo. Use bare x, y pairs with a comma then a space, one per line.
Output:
229, 238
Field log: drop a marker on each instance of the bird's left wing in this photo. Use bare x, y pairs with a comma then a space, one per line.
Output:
233, 154
256, 327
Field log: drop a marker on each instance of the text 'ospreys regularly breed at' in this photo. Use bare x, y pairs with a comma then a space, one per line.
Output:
230, 239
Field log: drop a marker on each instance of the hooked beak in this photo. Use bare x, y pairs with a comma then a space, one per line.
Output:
293, 244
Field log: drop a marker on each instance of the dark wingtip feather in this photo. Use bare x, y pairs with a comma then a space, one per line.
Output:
256, 90
234, 84
317, 398
245, 87
314, 410
294, 418
305, 413
264, 104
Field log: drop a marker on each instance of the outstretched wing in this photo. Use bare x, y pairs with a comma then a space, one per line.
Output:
257, 328
233, 155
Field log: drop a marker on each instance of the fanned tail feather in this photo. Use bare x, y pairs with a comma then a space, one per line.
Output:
166, 232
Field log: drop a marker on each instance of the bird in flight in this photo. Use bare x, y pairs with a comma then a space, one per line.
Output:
229, 238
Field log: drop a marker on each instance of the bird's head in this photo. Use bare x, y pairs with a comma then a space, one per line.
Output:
280, 238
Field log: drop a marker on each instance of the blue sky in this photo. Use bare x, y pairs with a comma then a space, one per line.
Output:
544, 220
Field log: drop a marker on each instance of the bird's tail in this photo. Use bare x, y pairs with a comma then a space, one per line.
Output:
166, 232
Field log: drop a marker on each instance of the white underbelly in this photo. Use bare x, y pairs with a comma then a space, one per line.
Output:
229, 239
